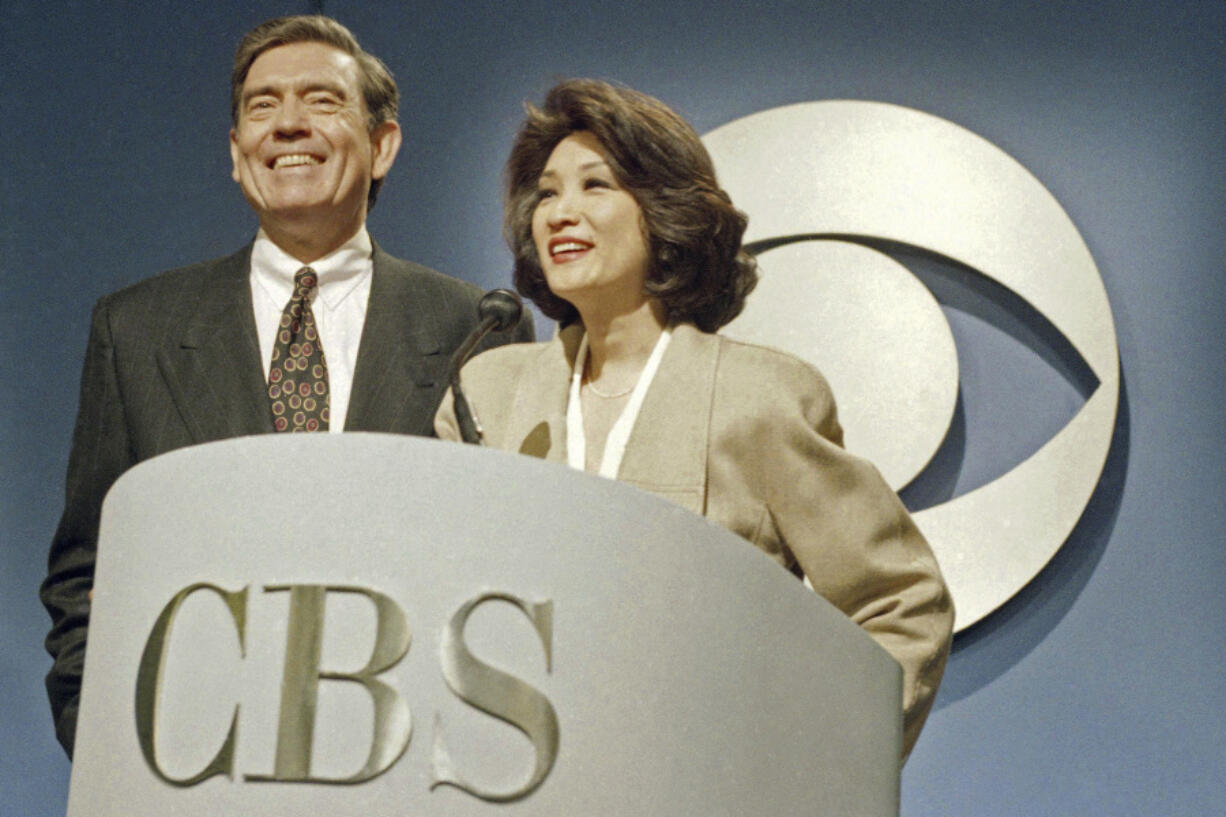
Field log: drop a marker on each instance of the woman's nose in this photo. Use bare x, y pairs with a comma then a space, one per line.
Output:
563, 210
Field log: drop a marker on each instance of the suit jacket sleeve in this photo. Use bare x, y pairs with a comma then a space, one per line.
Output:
100, 453
832, 515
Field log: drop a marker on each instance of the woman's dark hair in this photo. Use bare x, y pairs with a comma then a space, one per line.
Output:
698, 271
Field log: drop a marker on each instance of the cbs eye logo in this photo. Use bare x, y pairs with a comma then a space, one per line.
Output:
827, 185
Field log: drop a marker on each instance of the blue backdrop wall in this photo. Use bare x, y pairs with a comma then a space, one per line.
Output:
1098, 690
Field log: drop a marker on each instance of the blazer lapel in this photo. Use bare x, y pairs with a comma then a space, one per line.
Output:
214, 372
400, 367
667, 451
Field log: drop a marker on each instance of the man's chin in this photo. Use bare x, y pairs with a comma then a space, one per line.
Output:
299, 215
311, 229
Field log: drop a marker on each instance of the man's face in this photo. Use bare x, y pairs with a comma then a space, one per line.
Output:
302, 150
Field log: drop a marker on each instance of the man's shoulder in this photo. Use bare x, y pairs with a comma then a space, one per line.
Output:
450, 303
178, 283
412, 274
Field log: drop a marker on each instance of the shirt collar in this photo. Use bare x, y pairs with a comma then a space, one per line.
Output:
339, 272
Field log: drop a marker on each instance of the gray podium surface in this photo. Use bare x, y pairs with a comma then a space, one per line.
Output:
687, 673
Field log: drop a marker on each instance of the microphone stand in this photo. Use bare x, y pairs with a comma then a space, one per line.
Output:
500, 310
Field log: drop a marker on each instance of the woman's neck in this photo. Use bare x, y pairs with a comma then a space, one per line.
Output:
619, 345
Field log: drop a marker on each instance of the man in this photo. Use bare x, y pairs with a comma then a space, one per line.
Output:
310, 327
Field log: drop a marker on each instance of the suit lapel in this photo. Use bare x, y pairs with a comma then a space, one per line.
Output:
667, 450
400, 367
214, 372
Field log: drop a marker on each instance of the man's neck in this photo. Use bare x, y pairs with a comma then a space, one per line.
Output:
308, 242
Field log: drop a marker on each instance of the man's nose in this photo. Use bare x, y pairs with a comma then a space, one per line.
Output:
292, 120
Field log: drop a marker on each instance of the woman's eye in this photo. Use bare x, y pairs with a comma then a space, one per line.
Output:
590, 183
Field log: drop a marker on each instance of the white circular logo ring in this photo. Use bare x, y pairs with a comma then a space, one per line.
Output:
878, 171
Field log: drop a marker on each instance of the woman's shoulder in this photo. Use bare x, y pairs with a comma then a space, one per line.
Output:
769, 367
765, 382
508, 353
507, 367
503, 362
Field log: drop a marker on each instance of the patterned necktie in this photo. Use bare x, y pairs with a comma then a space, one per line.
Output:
298, 374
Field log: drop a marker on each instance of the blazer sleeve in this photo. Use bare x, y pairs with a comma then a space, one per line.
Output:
834, 517
100, 453
490, 380
445, 425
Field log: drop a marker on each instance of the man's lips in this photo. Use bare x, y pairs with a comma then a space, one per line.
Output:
294, 160
567, 249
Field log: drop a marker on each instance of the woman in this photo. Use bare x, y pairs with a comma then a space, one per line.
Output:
622, 234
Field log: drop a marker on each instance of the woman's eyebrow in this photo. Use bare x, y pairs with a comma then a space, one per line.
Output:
585, 166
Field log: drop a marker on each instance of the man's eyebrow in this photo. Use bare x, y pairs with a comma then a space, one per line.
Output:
264, 90
317, 85
304, 88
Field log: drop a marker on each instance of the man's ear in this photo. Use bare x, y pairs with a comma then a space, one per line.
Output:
234, 157
384, 144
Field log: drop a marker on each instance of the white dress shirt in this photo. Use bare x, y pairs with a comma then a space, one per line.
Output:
339, 306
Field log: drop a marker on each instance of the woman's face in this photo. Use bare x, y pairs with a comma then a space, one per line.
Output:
588, 230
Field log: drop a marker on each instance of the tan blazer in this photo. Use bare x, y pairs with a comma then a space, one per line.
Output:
747, 436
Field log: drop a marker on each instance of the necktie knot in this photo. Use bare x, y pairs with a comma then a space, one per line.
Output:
305, 282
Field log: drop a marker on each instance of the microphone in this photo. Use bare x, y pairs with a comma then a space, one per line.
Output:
499, 310
502, 305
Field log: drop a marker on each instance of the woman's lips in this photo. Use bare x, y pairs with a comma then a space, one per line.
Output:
562, 250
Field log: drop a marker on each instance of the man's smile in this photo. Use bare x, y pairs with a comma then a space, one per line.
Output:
294, 160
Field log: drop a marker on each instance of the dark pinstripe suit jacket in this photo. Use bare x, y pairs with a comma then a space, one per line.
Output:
174, 361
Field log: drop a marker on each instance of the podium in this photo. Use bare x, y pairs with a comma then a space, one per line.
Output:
370, 624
